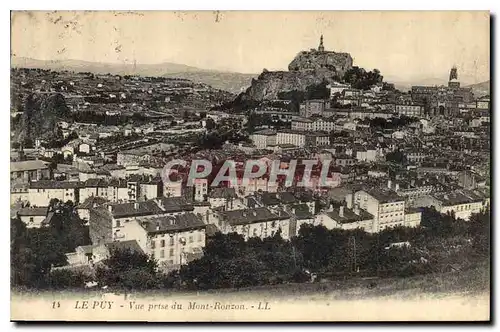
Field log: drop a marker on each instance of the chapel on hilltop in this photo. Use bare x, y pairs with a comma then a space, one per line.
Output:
319, 59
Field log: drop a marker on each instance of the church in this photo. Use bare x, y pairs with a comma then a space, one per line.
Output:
443, 100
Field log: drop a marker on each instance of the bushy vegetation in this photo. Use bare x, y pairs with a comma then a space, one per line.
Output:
35, 251
359, 78
231, 262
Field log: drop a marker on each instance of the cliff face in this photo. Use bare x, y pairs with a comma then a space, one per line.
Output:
270, 83
41, 113
306, 68
314, 60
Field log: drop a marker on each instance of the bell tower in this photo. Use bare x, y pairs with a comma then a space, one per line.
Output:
321, 48
453, 81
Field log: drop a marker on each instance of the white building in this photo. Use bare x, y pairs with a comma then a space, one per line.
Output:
200, 189
258, 222
413, 218
171, 240
264, 138
462, 203
41, 192
336, 87
293, 137
33, 217
410, 110
313, 124
346, 219
387, 208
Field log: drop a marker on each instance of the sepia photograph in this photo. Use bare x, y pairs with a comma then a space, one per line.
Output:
250, 166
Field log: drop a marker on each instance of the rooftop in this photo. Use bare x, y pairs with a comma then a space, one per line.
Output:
222, 193
384, 196
135, 209
301, 211
251, 216
267, 132
33, 211
91, 201
349, 216
165, 224
175, 204
52, 184
123, 245
458, 197
28, 165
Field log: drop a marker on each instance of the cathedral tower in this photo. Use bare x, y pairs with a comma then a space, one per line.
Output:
453, 81
321, 48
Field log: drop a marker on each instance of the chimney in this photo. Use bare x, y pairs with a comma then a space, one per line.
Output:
136, 206
254, 213
389, 184
110, 208
349, 198
412, 182
356, 209
341, 212
396, 188
157, 226
330, 207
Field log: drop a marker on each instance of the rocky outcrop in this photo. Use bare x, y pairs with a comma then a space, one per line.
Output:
40, 116
314, 60
270, 83
307, 68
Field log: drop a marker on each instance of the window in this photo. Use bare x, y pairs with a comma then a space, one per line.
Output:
273, 224
152, 255
171, 253
31, 219
162, 244
171, 241
191, 239
162, 254
152, 244
118, 223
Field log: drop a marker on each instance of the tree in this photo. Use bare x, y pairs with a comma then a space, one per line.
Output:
129, 269
396, 157
210, 124
359, 78
480, 228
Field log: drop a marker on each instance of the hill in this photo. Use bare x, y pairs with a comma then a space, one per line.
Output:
306, 69
229, 81
480, 89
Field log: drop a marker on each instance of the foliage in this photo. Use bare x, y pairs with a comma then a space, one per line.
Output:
129, 269
230, 261
396, 157
256, 120
359, 78
392, 123
34, 251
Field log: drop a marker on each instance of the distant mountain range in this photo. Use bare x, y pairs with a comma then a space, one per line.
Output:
228, 81
481, 89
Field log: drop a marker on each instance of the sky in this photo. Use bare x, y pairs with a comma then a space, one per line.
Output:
402, 45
